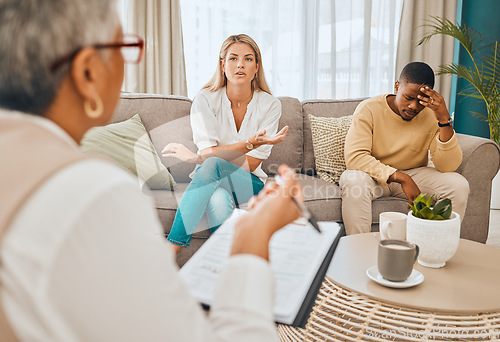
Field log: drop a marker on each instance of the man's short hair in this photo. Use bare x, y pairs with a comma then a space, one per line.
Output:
417, 73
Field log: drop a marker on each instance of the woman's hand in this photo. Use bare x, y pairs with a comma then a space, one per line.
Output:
260, 138
272, 209
181, 152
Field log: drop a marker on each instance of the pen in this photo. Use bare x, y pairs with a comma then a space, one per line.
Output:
305, 212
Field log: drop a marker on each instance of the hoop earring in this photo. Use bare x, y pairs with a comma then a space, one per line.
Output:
93, 113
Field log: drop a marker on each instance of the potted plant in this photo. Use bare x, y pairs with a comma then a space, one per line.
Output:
483, 77
436, 230
421, 208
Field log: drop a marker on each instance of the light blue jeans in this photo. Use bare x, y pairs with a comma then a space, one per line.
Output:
217, 187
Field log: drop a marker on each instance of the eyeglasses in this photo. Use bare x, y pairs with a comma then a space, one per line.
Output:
132, 49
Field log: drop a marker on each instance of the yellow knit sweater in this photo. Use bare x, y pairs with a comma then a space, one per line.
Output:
380, 142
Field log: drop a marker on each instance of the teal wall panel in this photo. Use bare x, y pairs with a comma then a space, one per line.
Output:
482, 15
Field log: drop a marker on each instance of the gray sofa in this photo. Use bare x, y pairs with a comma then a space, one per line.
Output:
167, 120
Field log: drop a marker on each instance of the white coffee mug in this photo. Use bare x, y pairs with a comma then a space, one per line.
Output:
392, 225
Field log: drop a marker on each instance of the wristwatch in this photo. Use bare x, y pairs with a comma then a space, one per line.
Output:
248, 145
450, 121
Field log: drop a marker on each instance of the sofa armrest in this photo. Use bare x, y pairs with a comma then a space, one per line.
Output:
480, 163
476, 149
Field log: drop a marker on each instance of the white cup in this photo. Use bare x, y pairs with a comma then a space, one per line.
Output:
392, 225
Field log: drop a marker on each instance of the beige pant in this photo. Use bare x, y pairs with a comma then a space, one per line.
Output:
359, 190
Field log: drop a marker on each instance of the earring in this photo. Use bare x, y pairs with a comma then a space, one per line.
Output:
93, 113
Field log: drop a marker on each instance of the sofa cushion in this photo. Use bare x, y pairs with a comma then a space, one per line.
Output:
166, 119
324, 200
289, 151
166, 204
128, 144
328, 136
326, 108
169, 200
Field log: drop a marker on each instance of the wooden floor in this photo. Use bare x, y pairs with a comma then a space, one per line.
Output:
494, 233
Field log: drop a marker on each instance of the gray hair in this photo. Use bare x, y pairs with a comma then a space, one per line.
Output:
35, 33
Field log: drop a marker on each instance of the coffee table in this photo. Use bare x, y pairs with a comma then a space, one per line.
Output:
460, 302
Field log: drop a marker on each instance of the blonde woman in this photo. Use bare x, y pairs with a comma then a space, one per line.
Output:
235, 124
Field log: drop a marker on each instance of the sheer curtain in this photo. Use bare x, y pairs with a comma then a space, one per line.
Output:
311, 48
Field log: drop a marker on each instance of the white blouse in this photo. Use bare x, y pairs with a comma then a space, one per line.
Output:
213, 122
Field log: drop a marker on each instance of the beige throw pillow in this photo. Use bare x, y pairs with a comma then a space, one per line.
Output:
328, 136
128, 143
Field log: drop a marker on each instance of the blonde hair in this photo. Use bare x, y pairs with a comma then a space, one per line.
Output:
219, 79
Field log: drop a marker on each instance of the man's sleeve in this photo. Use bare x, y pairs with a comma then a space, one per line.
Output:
446, 156
358, 148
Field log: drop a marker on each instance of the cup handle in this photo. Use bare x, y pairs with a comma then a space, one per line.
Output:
384, 230
417, 250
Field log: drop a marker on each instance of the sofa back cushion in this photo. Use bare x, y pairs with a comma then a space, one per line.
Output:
289, 151
166, 119
325, 108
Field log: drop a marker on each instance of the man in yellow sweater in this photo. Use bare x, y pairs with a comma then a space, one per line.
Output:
386, 150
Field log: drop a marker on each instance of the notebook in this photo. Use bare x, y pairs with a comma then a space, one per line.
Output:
299, 257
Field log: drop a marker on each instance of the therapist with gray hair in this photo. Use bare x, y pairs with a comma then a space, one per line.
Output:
82, 252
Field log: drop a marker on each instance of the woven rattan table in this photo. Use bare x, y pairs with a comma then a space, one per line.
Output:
460, 302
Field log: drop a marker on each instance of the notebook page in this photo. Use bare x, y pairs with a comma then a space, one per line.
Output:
296, 252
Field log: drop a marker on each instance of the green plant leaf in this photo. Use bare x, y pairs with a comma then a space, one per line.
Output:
483, 75
447, 213
419, 205
429, 201
442, 205
420, 197
421, 208
443, 210
427, 213
469, 38
413, 210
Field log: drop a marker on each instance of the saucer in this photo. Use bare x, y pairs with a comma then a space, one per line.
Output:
414, 279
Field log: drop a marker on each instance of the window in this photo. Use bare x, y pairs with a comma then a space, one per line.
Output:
310, 48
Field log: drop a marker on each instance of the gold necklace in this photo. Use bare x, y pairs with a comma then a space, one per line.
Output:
239, 103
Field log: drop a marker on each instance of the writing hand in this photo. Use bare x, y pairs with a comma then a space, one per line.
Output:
272, 209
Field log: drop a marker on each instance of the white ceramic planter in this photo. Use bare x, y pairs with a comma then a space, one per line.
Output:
437, 239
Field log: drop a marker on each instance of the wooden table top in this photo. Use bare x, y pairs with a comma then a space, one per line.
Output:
468, 283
